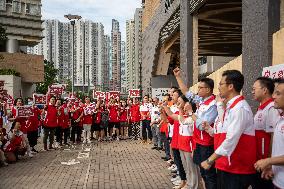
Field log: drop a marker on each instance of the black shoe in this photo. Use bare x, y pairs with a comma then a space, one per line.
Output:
164, 158
154, 147
167, 159
158, 148
34, 150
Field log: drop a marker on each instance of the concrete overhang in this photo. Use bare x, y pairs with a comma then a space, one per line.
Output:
220, 28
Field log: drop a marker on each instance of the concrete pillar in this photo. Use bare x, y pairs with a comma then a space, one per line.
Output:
12, 46
260, 19
188, 44
282, 14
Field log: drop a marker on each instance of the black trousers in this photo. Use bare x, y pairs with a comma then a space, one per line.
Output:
227, 180
76, 130
178, 162
32, 137
146, 130
66, 133
58, 134
201, 153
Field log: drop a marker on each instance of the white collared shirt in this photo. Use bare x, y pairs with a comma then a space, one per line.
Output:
266, 119
237, 121
278, 150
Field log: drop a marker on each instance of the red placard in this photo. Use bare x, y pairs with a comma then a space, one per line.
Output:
24, 111
134, 93
99, 95
39, 99
56, 89
113, 94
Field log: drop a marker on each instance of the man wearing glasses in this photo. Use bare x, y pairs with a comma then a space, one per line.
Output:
206, 112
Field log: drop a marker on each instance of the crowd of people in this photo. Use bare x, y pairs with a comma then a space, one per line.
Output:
210, 141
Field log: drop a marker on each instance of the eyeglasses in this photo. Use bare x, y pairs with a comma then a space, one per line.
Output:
220, 84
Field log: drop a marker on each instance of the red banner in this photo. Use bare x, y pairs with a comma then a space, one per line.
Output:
24, 111
134, 93
39, 99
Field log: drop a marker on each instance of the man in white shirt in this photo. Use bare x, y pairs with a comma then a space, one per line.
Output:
274, 167
235, 154
265, 120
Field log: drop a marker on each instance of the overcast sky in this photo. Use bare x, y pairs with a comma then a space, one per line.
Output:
96, 10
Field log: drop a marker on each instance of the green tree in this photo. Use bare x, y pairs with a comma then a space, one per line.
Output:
50, 73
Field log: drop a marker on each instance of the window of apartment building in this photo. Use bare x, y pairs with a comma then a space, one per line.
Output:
16, 6
32, 9
2, 4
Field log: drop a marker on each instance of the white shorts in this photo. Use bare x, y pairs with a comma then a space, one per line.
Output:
87, 127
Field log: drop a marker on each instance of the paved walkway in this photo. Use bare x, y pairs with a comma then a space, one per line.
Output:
115, 165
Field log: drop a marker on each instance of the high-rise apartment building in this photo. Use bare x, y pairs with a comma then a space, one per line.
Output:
123, 69
116, 56
106, 68
130, 54
89, 41
134, 50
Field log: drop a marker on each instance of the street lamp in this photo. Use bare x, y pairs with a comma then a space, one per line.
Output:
72, 19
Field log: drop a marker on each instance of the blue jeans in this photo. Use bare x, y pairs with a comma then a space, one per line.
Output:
146, 130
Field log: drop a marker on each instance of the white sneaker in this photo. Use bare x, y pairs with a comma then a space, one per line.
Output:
175, 168
177, 183
175, 179
172, 167
30, 154
89, 141
117, 138
84, 141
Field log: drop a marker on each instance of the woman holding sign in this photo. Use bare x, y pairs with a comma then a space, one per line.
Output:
87, 120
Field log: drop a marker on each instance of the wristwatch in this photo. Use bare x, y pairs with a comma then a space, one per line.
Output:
210, 162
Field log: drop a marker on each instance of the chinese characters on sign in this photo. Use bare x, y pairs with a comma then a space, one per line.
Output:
160, 92
24, 111
134, 93
39, 99
274, 72
99, 95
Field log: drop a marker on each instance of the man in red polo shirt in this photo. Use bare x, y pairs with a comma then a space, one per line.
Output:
134, 115
50, 123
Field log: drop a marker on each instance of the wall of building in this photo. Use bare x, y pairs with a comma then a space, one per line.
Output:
235, 64
150, 41
150, 7
278, 47
30, 67
12, 84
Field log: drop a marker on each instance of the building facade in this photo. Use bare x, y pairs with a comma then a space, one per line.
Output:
178, 33
89, 58
116, 56
22, 23
124, 88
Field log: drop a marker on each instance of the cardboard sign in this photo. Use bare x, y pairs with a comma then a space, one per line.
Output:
56, 89
24, 111
39, 99
99, 95
160, 92
113, 94
90, 109
274, 72
134, 93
